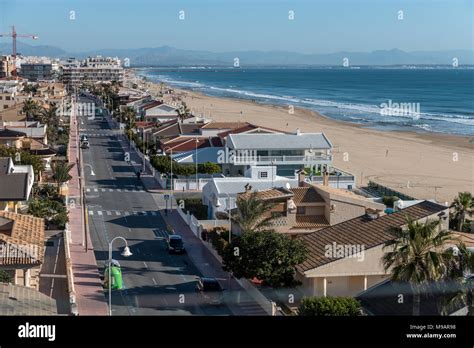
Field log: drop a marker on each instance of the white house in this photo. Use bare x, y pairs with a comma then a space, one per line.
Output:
160, 113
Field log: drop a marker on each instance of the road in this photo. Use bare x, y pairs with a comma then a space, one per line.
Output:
156, 283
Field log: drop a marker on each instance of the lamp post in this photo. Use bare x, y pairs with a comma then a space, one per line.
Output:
126, 253
338, 175
230, 220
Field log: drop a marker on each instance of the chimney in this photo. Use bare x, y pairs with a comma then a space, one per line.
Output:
325, 178
301, 177
298, 131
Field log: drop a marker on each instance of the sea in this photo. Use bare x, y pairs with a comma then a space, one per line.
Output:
415, 99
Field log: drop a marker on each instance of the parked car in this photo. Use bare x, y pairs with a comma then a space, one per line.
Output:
210, 290
84, 144
83, 138
176, 244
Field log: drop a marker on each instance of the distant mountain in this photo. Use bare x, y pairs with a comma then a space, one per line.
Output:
170, 56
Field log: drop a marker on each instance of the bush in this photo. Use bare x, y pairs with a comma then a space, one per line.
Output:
329, 306
219, 239
196, 208
389, 200
5, 277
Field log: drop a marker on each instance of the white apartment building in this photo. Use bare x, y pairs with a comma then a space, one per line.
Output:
92, 69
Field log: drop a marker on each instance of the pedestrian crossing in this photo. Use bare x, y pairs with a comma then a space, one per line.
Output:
97, 190
93, 212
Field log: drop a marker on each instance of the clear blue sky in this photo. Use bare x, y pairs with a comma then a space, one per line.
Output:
320, 26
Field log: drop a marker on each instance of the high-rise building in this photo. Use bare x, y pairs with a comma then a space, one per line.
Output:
7, 66
92, 69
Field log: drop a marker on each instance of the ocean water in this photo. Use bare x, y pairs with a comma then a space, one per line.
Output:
418, 100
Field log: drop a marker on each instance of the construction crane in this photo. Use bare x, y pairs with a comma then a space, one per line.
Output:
14, 35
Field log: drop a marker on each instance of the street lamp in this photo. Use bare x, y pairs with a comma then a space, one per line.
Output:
338, 174
126, 253
230, 220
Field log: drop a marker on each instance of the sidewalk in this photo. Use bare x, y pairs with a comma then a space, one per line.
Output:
88, 292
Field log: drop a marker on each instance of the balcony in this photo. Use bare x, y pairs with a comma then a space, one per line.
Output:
268, 160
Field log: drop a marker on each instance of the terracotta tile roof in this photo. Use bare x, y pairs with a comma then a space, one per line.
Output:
306, 195
310, 222
272, 193
27, 231
182, 144
361, 231
151, 104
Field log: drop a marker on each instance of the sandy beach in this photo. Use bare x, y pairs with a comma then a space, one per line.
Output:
425, 166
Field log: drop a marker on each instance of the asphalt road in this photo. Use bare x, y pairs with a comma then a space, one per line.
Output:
156, 283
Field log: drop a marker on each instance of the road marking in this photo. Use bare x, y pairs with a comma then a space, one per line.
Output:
103, 190
119, 190
153, 213
146, 266
110, 190
117, 213
91, 212
96, 190
154, 281
126, 213
88, 190
99, 212
109, 213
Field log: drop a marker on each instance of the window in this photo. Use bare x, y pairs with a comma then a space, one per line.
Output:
300, 210
263, 175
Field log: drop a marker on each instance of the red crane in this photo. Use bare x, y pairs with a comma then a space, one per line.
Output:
14, 35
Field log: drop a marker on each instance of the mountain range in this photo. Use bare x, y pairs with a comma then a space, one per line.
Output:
170, 56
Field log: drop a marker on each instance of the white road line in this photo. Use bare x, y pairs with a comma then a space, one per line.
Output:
146, 266
91, 212
88, 190
99, 212
126, 213
109, 213
154, 281
119, 190
103, 190
96, 190
117, 213
110, 190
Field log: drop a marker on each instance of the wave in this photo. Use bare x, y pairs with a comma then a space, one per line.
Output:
325, 105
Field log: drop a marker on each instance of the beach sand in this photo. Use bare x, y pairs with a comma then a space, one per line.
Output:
425, 166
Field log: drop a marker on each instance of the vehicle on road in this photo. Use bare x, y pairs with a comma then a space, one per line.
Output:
83, 138
210, 290
84, 144
176, 244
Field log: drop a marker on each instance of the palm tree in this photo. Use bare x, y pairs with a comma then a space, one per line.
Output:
415, 256
30, 108
463, 206
183, 111
251, 215
61, 172
460, 268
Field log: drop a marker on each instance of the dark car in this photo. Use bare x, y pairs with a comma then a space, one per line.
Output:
83, 138
84, 144
210, 290
175, 244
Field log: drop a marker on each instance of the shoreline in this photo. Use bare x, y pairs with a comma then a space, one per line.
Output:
423, 165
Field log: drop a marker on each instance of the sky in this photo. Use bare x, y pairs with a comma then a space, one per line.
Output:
318, 26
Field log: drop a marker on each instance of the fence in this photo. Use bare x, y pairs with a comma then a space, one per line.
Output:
387, 191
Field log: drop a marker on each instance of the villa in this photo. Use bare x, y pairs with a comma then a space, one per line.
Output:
346, 259
16, 183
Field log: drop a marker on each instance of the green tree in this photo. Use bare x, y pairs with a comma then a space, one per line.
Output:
183, 111
460, 267
31, 109
463, 206
329, 306
209, 168
266, 255
414, 256
22, 157
251, 212
53, 211
61, 171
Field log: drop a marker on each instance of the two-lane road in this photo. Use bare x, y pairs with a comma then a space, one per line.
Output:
156, 283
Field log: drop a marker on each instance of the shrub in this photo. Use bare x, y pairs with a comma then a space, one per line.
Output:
5, 277
389, 200
329, 306
196, 208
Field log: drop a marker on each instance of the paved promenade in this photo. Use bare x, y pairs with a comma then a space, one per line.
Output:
90, 298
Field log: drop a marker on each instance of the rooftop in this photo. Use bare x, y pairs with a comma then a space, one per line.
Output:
20, 300
13, 186
306, 195
268, 194
361, 231
279, 141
